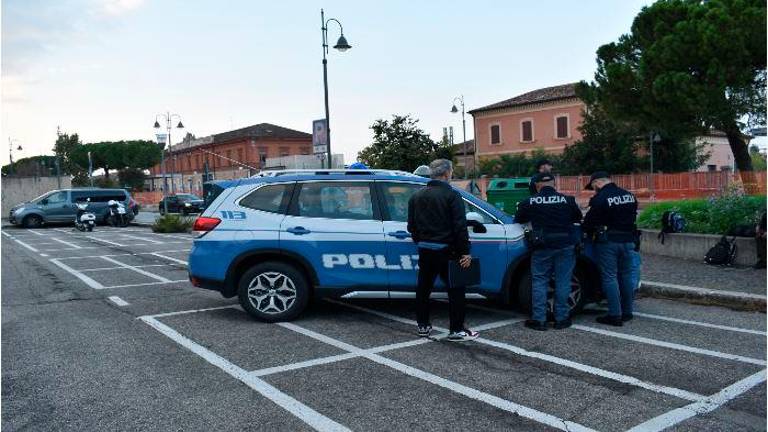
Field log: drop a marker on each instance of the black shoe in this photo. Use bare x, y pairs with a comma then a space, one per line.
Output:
564, 324
536, 325
424, 330
626, 317
610, 320
759, 265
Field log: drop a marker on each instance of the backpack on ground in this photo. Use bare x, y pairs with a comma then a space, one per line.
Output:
671, 222
723, 253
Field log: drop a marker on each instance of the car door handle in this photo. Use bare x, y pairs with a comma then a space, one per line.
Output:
399, 234
298, 230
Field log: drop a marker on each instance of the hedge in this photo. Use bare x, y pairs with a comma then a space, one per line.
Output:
707, 216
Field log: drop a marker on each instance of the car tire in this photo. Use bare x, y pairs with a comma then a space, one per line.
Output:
579, 289
260, 288
32, 221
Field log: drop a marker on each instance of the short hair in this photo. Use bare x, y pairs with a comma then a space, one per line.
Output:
440, 167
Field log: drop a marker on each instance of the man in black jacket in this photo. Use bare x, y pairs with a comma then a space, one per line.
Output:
552, 216
438, 225
543, 166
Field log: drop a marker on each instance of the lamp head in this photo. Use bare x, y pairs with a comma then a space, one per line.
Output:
342, 44
157, 125
180, 125
454, 109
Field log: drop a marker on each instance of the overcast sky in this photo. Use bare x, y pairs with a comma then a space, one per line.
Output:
104, 68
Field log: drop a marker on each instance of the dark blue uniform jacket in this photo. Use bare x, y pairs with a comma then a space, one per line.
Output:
553, 214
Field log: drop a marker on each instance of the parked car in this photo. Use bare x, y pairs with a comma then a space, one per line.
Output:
182, 203
59, 206
275, 241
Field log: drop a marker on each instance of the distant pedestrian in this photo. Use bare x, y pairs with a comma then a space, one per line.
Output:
543, 166
438, 225
553, 238
611, 223
760, 243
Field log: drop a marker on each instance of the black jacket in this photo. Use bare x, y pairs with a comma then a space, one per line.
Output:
553, 214
437, 214
612, 207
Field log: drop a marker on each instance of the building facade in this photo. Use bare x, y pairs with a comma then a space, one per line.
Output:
546, 119
233, 154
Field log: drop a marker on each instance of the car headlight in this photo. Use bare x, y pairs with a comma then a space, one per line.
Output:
18, 210
187, 205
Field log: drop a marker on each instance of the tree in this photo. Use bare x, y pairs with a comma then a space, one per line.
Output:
518, 164
32, 166
117, 155
64, 147
132, 178
758, 159
687, 66
400, 144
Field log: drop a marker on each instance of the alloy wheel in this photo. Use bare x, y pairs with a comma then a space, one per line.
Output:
272, 293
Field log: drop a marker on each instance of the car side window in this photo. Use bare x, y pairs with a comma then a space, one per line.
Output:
396, 197
270, 198
335, 201
469, 207
57, 198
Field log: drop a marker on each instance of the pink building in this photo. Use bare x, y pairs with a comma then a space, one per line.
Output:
544, 119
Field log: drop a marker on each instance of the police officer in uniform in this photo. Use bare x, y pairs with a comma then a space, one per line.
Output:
610, 222
552, 238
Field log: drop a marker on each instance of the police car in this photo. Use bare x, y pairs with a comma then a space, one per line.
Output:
281, 238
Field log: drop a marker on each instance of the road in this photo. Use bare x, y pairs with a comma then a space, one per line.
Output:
102, 331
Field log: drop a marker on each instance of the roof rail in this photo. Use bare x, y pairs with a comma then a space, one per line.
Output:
350, 172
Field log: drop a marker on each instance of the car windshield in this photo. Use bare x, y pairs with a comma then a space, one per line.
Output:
188, 197
41, 197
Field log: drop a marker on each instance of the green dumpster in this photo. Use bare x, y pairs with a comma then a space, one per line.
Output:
505, 193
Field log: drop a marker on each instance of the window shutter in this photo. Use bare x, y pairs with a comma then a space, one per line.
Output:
562, 127
495, 138
527, 132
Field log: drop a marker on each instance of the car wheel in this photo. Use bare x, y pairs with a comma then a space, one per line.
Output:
576, 300
273, 291
32, 221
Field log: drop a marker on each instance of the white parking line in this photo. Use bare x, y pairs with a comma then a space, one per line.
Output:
136, 269
288, 403
98, 269
105, 241
671, 345
88, 281
176, 260
31, 231
455, 387
704, 406
191, 311
626, 379
146, 284
703, 291
696, 323
141, 238
20, 242
122, 254
118, 301
72, 245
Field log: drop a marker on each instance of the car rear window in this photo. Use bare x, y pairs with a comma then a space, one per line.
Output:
269, 198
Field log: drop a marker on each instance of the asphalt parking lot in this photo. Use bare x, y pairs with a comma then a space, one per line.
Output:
102, 331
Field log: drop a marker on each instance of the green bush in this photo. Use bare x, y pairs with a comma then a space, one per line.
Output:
707, 216
172, 223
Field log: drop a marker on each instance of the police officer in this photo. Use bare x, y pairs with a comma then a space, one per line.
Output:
542, 166
611, 223
552, 238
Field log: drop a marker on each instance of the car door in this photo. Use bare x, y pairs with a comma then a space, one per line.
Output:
58, 207
402, 253
336, 226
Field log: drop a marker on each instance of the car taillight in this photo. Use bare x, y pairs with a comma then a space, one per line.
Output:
205, 224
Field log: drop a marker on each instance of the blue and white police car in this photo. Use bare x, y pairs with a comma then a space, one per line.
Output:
281, 238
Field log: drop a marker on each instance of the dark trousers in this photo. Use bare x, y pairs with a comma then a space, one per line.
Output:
433, 263
760, 242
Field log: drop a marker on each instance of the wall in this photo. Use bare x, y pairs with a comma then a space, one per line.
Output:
721, 154
15, 190
695, 246
543, 116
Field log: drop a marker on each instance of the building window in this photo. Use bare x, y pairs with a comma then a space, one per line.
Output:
526, 131
229, 157
495, 134
561, 127
262, 157
285, 151
711, 168
240, 155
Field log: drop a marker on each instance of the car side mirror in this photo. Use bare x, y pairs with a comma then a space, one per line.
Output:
475, 220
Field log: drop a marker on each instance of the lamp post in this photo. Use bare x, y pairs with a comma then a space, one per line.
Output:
168, 117
463, 130
653, 137
342, 46
10, 154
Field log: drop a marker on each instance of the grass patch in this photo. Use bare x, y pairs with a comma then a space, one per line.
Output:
171, 223
707, 216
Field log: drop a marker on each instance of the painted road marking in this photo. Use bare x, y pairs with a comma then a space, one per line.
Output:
696, 323
98, 269
123, 254
72, 245
191, 311
288, 403
43, 255
136, 269
88, 281
603, 373
146, 284
118, 301
455, 387
141, 238
671, 345
105, 241
34, 232
20, 242
704, 406
176, 260
703, 291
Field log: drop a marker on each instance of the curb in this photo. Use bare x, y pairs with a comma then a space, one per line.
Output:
730, 299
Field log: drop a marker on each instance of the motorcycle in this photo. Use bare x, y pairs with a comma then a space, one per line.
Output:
84, 220
117, 214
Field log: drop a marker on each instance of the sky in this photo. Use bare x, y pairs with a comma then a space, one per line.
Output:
105, 68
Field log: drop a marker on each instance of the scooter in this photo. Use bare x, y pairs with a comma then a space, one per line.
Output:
84, 220
117, 214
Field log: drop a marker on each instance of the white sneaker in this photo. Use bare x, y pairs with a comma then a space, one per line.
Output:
464, 335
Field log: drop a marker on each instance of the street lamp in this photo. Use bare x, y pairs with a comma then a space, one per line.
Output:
341, 45
653, 137
168, 117
463, 130
10, 154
